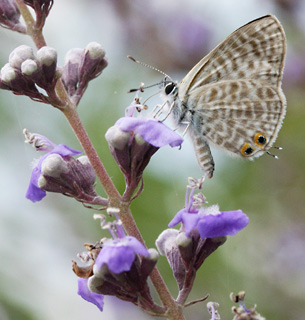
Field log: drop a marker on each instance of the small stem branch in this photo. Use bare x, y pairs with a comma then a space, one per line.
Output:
187, 286
31, 29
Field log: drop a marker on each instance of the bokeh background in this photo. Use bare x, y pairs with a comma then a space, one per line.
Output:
38, 241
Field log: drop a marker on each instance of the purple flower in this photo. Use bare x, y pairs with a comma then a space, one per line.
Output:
119, 254
210, 222
86, 294
41, 143
114, 267
134, 140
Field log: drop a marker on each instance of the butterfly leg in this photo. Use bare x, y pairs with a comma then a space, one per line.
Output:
169, 111
158, 109
203, 154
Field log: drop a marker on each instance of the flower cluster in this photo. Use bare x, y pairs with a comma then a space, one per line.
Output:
81, 66
25, 73
202, 231
119, 266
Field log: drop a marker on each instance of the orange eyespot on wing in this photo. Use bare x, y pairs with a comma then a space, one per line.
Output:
247, 150
260, 139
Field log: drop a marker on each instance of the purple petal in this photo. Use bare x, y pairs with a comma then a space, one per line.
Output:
226, 223
64, 151
152, 131
85, 293
118, 259
33, 192
188, 219
119, 254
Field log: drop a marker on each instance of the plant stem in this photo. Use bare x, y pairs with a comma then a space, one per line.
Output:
31, 30
175, 311
115, 199
79, 130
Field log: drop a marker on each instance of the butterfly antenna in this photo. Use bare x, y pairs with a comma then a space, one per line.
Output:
148, 66
141, 88
272, 155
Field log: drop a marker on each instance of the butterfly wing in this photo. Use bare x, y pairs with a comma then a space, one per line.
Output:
234, 93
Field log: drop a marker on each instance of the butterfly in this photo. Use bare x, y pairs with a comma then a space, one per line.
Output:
232, 98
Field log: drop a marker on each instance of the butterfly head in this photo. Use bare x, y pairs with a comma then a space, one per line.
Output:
170, 87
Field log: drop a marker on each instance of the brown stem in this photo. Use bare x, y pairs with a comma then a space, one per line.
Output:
115, 200
34, 32
79, 130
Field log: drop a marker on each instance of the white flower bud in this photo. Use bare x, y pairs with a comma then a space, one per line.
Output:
19, 55
47, 56
28, 67
54, 165
139, 139
117, 138
94, 282
153, 254
183, 240
41, 182
166, 240
100, 273
83, 160
95, 50
74, 55
8, 73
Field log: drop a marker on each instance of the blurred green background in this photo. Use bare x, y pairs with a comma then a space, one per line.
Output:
38, 241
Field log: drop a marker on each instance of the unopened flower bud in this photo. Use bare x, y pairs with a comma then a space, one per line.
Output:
41, 182
54, 165
95, 50
8, 73
148, 263
139, 139
167, 246
117, 138
93, 62
47, 58
70, 70
29, 67
94, 284
19, 55
81, 66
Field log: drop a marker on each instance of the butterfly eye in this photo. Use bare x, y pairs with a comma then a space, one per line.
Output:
247, 150
260, 139
170, 88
